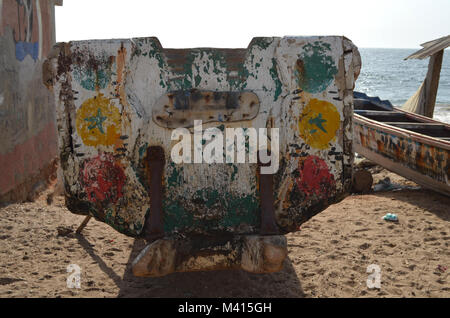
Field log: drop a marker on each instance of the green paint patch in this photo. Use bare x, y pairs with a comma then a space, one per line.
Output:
315, 69
318, 121
117, 222
90, 79
96, 121
209, 197
198, 80
262, 43
230, 211
276, 79
234, 172
240, 210
155, 53
175, 177
140, 167
219, 63
176, 217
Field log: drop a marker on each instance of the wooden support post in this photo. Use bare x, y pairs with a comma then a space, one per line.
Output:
83, 225
432, 83
362, 181
154, 227
268, 222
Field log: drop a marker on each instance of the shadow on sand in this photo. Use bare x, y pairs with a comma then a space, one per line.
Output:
428, 200
215, 284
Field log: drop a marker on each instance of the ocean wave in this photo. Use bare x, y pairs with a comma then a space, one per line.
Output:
442, 113
385, 74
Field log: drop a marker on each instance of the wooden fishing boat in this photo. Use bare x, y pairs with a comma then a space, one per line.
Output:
408, 141
122, 106
413, 146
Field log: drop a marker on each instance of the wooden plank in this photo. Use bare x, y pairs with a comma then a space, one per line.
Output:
433, 42
375, 105
429, 129
388, 116
401, 133
377, 113
431, 48
416, 125
403, 170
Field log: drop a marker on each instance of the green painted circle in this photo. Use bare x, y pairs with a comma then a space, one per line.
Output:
315, 69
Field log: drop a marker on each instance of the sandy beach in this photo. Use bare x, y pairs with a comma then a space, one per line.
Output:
328, 257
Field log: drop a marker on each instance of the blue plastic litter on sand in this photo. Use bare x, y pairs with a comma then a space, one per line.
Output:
391, 217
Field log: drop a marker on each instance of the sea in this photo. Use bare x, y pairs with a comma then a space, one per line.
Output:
387, 75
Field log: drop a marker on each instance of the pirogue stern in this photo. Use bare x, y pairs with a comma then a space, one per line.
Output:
120, 103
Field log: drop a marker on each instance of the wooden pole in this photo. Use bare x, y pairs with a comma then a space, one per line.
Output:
83, 225
432, 83
362, 181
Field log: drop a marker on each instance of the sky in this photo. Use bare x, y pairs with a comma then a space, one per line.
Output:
233, 23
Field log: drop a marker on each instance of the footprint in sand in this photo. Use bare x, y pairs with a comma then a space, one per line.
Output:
365, 246
8, 280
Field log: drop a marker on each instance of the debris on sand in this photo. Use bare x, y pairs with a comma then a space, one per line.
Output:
390, 217
64, 231
441, 268
386, 185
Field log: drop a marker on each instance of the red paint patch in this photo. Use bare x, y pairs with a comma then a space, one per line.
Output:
315, 178
103, 178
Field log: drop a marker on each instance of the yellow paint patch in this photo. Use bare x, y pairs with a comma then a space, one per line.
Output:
319, 123
98, 122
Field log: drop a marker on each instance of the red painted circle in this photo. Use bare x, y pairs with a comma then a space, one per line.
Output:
315, 178
103, 178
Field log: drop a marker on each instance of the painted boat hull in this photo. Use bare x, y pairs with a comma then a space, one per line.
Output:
413, 155
119, 102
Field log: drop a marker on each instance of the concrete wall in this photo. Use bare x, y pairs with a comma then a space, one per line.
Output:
27, 111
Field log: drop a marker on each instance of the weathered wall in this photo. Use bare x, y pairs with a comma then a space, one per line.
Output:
27, 120
108, 92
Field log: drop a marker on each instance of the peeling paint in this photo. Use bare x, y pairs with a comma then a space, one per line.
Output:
103, 179
28, 146
107, 93
430, 160
315, 69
